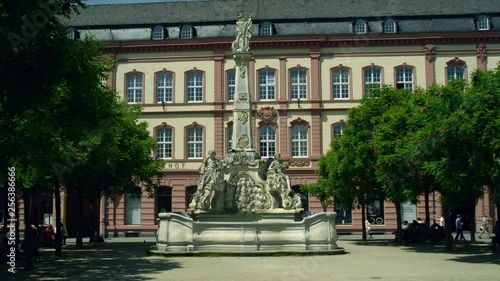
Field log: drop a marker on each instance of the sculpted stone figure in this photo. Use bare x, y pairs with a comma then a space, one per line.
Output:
210, 171
242, 41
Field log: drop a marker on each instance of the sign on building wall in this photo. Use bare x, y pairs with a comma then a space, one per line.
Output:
408, 211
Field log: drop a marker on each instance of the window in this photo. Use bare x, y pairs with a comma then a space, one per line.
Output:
376, 212
338, 130
229, 138
483, 23
455, 69
158, 33
373, 78
134, 88
299, 141
267, 84
267, 141
344, 214
340, 83
194, 143
455, 72
195, 87
360, 27
72, 34
163, 199
132, 209
186, 31
404, 78
164, 87
164, 143
298, 84
231, 85
266, 29
390, 26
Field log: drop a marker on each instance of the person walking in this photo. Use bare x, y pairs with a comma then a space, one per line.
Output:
484, 226
459, 225
368, 227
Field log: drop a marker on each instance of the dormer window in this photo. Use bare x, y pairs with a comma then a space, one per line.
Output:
266, 29
483, 23
72, 34
390, 26
360, 27
158, 33
186, 31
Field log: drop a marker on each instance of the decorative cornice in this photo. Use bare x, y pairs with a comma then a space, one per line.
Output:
299, 121
300, 42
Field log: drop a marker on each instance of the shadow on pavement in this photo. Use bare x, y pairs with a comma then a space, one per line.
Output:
97, 261
462, 251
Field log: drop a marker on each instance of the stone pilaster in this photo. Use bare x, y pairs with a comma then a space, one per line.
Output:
430, 67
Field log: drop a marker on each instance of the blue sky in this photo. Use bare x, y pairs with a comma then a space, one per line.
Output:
97, 2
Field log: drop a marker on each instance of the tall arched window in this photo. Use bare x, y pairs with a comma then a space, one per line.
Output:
298, 84
231, 84
194, 86
163, 199
164, 143
194, 143
267, 141
164, 86
405, 77
456, 69
372, 78
340, 82
299, 141
483, 23
134, 87
267, 84
338, 130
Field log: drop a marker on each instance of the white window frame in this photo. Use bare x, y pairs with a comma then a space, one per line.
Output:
134, 88
341, 84
229, 138
299, 141
158, 33
186, 32
132, 209
164, 141
267, 85
194, 144
164, 87
404, 75
371, 77
195, 87
231, 84
298, 84
338, 130
452, 72
266, 29
483, 23
360, 27
390, 26
267, 141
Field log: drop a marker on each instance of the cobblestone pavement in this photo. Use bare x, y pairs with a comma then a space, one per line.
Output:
378, 258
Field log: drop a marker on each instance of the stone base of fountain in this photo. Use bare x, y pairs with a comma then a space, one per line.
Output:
267, 232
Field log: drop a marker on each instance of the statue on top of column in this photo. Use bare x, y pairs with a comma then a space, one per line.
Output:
242, 41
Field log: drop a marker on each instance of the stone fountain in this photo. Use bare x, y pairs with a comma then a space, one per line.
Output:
244, 203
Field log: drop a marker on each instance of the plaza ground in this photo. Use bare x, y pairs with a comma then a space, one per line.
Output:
378, 258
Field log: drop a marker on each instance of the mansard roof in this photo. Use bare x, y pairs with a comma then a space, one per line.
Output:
224, 11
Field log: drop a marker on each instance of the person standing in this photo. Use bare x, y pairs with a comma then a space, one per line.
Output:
484, 226
459, 224
368, 227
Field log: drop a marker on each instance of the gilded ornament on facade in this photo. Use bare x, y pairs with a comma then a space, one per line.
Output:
243, 141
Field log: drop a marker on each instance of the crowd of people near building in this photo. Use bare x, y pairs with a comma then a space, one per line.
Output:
43, 236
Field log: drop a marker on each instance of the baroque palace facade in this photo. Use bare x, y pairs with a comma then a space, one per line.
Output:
311, 62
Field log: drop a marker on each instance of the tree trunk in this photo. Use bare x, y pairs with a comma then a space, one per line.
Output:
427, 212
79, 214
57, 196
447, 228
399, 229
363, 219
28, 237
473, 223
